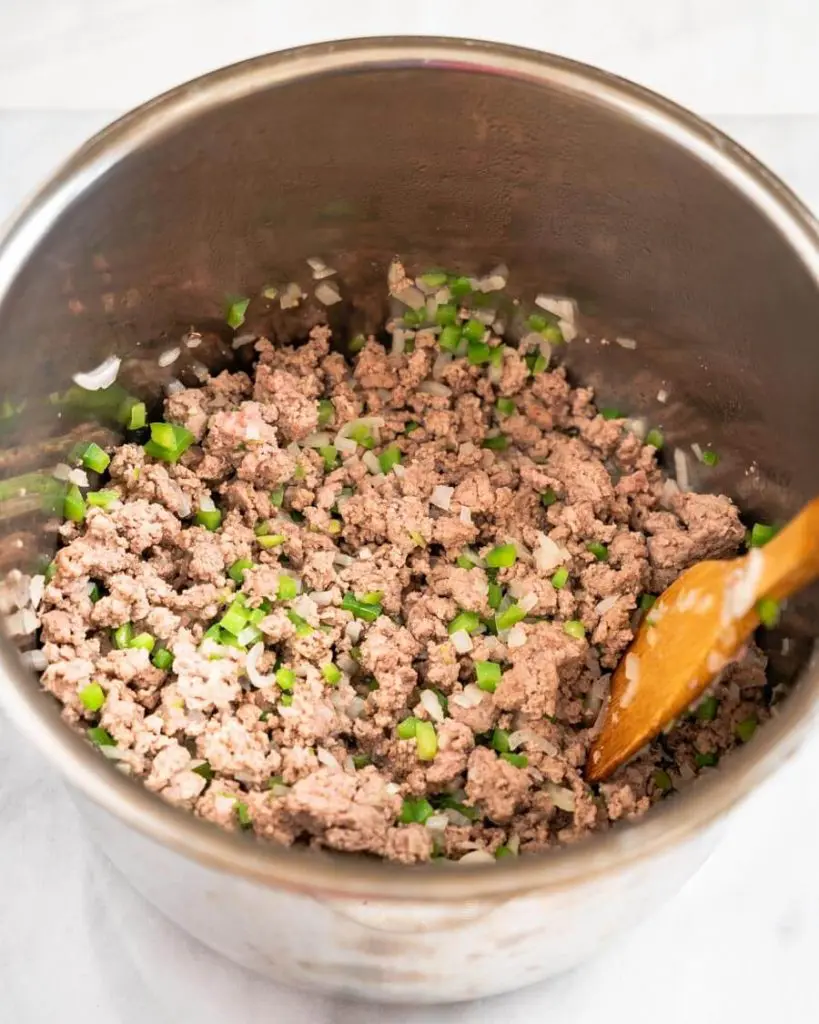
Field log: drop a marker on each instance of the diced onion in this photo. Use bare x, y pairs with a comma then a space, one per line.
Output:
662, 396
318, 440
243, 339
547, 554
432, 705
347, 664
291, 296
355, 709
173, 387
494, 281
206, 503
465, 515
78, 477
412, 297
345, 444
629, 343
461, 641
456, 818
559, 306
516, 637
36, 660
603, 606
102, 376
21, 623
35, 590
470, 698
441, 497
670, 490
223, 804
681, 469
561, 797
370, 460
170, 355
567, 329
320, 268
477, 857
253, 673
398, 342
697, 450
437, 822
434, 388
327, 759
528, 602
443, 360
529, 738
307, 608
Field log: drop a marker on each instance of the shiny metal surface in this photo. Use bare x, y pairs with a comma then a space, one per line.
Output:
454, 153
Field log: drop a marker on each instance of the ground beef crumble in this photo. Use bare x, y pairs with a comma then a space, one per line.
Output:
345, 713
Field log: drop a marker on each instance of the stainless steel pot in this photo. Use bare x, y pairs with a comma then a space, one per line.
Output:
455, 153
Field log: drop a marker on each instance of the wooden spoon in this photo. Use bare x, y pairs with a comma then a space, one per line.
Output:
692, 632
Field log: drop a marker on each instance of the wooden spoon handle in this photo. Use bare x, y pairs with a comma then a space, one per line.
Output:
791, 558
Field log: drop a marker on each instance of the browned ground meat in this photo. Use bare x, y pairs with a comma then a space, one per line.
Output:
362, 729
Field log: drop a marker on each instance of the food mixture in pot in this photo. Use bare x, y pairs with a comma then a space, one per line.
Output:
371, 602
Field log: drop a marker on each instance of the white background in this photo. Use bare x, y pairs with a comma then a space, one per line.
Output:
740, 942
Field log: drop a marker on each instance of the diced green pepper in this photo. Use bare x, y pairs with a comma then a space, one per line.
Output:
707, 710
143, 641
768, 610
162, 658
506, 407
426, 741
405, 730
450, 338
123, 635
101, 499
326, 412
361, 609
560, 577
468, 621
239, 568
272, 540
74, 505
101, 737
331, 673
210, 518
488, 675
574, 628
502, 556
518, 760
509, 617
288, 589
500, 741
236, 310
390, 457
761, 533
92, 696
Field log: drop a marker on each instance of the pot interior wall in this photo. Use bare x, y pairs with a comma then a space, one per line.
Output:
462, 168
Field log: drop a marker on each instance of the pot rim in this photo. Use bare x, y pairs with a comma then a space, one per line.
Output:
332, 874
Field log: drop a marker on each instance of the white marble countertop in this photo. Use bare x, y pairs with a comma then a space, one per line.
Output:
76, 944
